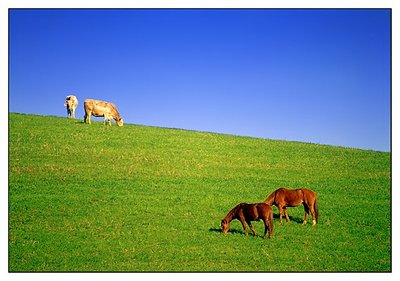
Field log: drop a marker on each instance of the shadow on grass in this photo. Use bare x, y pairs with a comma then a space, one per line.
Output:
276, 222
75, 121
78, 121
234, 231
276, 217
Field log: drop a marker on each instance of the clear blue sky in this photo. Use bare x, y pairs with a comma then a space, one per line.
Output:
320, 76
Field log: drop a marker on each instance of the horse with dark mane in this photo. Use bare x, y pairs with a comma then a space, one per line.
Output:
247, 213
284, 197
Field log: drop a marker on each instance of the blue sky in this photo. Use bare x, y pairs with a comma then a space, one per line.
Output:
320, 76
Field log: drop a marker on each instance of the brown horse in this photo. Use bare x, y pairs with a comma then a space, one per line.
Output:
284, 197
248, 213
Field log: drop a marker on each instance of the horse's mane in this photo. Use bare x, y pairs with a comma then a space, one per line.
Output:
271, 198
230, 216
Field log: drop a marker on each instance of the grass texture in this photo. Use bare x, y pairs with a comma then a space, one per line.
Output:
136, 198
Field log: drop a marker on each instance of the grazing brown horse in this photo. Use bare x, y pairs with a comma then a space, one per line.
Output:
284, 197
247, 213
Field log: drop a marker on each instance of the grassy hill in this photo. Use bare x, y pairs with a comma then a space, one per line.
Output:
135, 198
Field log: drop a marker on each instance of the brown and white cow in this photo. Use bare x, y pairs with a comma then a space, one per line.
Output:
104, 109
71, 102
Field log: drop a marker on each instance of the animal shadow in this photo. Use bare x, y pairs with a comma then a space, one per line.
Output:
214, 229
298, 220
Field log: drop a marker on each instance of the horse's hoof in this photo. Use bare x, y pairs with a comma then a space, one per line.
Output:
304, 222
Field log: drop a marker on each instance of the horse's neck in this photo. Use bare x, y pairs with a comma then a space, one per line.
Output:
270, 199
228, 218
231, 215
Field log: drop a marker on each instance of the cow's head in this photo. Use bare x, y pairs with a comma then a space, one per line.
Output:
120, 122
68, 102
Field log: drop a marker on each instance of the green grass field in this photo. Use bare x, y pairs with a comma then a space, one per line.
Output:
135, 198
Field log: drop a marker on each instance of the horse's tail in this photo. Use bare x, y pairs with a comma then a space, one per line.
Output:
316, 208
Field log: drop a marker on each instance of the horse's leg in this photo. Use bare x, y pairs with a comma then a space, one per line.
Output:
242, 220
306, 213
266, 226
270, 225
286, 214
305, 217
280, 214
311, 208
252, 228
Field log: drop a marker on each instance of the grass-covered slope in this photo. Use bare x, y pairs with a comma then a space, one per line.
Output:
94, 198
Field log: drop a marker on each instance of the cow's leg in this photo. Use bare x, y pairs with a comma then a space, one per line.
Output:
73, 113
107, 119
88, 117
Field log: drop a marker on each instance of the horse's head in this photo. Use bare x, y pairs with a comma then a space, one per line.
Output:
225, 226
